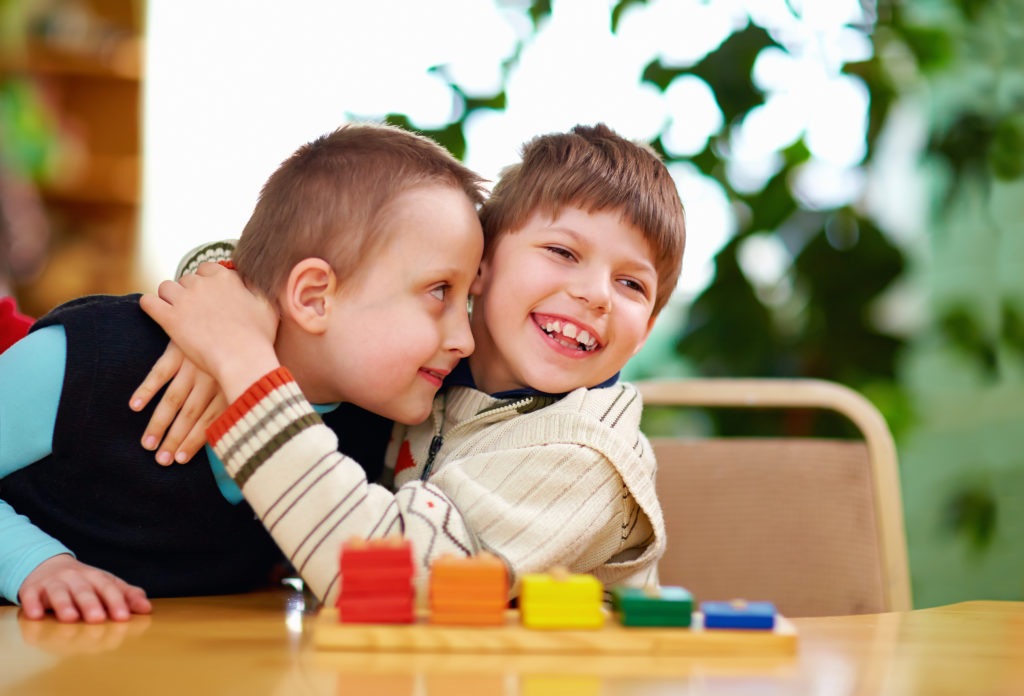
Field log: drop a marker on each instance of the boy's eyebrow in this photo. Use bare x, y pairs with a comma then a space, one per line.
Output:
450, 271
641, 262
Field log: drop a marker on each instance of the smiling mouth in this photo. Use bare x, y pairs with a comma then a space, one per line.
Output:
435, 377
569, 335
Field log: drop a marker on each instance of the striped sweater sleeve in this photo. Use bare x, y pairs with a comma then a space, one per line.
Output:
312, 498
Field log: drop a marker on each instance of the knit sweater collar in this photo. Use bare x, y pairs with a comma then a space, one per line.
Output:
462, 376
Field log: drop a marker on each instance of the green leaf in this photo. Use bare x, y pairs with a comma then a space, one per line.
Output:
728, 70
1006, 149
972, 512
450, 137
619, 8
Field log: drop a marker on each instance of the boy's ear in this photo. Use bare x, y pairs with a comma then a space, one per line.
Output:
477, 286
309, 294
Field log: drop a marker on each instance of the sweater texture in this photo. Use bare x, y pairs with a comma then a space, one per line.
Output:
538, 481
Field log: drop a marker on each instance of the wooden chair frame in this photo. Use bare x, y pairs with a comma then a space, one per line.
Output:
813, 393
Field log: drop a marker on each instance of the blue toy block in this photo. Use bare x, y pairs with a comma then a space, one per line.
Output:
739, 614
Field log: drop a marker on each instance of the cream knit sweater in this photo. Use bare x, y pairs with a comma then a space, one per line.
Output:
538, 483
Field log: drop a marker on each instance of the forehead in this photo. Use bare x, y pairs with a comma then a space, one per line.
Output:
432, 227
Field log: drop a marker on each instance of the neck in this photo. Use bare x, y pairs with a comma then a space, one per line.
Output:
483, 354
292, 346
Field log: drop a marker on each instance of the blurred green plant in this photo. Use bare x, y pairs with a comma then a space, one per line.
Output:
951, 385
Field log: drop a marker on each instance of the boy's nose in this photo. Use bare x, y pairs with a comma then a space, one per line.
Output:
458, 335
593, 289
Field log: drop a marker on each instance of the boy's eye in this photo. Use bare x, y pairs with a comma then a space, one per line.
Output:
633, 285
561, 251
439, 292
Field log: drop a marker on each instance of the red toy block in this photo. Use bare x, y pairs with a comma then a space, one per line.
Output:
396, 609
376, 581
359, 554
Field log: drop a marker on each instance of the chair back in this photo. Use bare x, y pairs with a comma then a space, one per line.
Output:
814, 525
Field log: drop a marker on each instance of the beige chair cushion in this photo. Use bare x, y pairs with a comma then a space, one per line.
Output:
786, 520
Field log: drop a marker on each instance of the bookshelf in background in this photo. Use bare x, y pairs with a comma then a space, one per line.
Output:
84, 59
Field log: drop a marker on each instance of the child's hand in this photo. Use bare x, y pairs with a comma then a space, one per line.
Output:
78, 592
223, 328
193, 400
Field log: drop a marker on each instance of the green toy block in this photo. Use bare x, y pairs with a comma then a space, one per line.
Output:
653, 606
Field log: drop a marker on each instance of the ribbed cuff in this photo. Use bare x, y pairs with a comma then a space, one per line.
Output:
259, 390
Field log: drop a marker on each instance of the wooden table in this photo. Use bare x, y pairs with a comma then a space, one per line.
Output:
260, 644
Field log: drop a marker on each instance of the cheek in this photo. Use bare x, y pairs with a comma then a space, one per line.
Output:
637, 328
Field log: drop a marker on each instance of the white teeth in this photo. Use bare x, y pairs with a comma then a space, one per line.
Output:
573, 335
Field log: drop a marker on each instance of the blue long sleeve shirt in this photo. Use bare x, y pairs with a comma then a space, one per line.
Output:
31, 381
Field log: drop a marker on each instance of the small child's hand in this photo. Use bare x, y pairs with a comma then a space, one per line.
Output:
75, 591
225, 329
192, 402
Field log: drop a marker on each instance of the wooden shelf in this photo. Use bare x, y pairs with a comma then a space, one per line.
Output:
102, 179
119, 61
85, 57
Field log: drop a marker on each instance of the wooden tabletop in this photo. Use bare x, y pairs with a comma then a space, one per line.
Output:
261, 644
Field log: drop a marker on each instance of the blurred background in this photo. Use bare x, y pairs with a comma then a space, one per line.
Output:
853, 173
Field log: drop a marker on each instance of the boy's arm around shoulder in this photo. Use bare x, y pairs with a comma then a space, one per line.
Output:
312, 498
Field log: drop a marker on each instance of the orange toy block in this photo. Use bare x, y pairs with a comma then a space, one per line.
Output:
468, 591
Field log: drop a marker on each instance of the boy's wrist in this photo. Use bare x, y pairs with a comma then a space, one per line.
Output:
276, 379
241, 370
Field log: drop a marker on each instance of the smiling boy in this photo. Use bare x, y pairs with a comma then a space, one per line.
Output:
532, 444
361, 251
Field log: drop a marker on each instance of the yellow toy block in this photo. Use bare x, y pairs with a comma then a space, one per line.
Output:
561, 600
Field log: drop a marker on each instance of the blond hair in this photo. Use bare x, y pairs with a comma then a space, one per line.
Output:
325, 200
595, 169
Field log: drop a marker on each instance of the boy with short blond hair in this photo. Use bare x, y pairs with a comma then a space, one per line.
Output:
532, 445
361, 231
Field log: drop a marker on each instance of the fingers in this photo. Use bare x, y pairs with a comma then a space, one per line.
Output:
211, 268
196, 438
80, 599
32, 603
137, 601
188, 431
177, 397
190, 404
156, 307
94, 597
75, 592
112, 594
163, 370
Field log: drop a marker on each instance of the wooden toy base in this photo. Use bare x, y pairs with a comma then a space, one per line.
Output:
513, 638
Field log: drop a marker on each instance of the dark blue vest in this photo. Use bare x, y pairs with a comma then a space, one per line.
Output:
166, 529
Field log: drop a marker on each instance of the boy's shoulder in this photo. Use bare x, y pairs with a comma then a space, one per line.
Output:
618, 400
111, 331
583, 416
89, 305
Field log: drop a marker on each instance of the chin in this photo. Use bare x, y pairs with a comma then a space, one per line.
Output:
408, 417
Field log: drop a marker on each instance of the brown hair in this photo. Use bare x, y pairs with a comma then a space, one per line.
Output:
326, 199
593, 168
